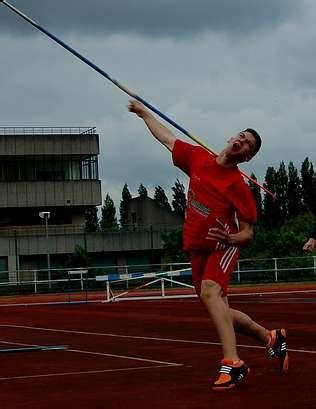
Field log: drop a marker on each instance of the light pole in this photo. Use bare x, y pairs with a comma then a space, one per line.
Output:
46, 216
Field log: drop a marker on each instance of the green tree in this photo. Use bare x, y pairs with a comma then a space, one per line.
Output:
294, 192
308, 185
285, 240
161, 198
313, 201
257, 195
126, 197
281, 190
271, 207
92, 220
179, 199
108, 215
172, 244
79, 258
142, 191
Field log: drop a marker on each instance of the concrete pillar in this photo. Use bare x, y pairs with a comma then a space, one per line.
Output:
12, 268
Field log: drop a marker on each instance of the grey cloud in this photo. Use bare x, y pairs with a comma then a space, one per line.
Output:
144, 17
261, 81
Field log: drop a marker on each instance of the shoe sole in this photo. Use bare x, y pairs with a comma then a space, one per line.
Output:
224, 388
233, 385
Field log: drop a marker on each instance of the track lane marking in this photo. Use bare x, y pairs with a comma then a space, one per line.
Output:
124, 357
133, 358
65, 302
8, 378
145, 338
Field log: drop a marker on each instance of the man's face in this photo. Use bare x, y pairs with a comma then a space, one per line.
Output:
241, 146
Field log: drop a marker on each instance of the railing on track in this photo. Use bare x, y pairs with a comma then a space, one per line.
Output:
122, 279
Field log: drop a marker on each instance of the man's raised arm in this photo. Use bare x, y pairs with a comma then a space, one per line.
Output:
159, 131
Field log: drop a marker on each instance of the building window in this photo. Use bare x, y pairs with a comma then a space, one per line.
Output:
89, 168
49, 168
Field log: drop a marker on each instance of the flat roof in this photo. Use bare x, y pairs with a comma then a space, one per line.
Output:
53, 130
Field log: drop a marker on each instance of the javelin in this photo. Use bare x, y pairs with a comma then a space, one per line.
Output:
126, 90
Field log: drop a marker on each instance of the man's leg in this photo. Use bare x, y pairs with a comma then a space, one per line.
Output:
198, 262
232, 370
274, 340
243, 324
218, 309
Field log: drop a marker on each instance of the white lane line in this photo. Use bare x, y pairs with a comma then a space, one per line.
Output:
98, 301
272, 292
133, 358
81, 351
9, 378
22, 344
61, 303
184, 341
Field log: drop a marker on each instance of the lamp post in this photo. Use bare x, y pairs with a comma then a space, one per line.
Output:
46, 216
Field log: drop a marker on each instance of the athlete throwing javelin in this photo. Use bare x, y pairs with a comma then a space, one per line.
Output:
220, 215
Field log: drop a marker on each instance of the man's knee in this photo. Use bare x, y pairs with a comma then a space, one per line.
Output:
210, 291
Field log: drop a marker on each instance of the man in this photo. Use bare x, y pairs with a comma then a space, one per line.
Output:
310, 245
219, 219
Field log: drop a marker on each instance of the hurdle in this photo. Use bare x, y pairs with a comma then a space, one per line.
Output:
158, 278
81, 273
34, 348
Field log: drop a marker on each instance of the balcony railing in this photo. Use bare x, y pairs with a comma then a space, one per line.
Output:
38, 130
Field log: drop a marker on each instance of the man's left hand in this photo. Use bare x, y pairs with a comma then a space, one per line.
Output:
217, 234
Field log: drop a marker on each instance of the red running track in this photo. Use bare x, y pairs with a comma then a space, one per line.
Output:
154, 354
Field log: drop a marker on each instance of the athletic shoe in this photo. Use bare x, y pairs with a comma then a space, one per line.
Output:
230, 374
277, 347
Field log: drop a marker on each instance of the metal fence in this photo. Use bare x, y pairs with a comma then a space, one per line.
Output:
39, 130
285, 269
248, 271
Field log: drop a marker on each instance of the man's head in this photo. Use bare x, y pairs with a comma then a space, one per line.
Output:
257, 138
243, 146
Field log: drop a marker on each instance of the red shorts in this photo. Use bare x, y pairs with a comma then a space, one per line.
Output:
217, 266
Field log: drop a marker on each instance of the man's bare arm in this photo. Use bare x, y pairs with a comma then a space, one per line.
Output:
159, 131
243, 237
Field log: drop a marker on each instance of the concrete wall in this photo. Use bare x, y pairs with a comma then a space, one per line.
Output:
65, 144
148, 212
15, 246
57, 193
65, 243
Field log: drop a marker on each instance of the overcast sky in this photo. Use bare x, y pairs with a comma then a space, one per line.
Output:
214, 66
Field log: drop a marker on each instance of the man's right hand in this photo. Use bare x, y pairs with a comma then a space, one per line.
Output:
137, 107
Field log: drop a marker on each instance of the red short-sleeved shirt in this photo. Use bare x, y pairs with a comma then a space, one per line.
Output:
217, 196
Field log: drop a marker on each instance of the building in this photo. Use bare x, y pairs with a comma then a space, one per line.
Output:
50, 170
53, 173
147, 212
